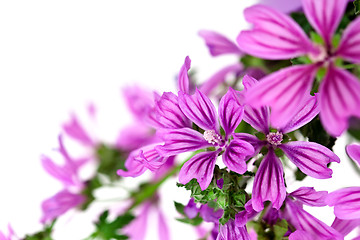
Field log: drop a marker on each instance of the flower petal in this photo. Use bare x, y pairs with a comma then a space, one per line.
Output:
308, 111
219, 77
253, 140
199, 109
163, 228
284, 6
324, 16
258, 118
310, 197
218, 44
74, 129
183, 78
311, 158
182, 140
235, 155
201, 166
275, 35
269, 183
168, 112
231, 231
349, 47
302, 220
345, 226
284, 91
230, 112
339, 100
59, 204
353, 150
346, 202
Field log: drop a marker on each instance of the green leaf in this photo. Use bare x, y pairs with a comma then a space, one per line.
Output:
196, 221
301, 19
111, 159
108, 230
280, 228
357, 6
179, 208
239, 198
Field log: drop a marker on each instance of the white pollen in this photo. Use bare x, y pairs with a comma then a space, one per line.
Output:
212, 137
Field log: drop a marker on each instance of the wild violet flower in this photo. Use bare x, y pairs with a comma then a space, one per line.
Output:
345, 226
311, 158
277, 36
346, 202
200, 110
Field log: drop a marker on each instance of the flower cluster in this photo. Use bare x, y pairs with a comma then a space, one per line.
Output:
295, 90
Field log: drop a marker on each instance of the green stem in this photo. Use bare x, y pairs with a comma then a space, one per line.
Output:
149, 191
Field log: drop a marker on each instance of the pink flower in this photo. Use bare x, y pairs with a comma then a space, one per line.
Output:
276, 36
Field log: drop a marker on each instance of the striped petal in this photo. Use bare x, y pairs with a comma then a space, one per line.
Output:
303, 221
230, 112
344, 226
284, 91
253, 140
274, 36
182, 140
308, 111
168, 112
269, 183
199, 109
218, 44
201, 166
310, 197
353, 150
339, 100
311, 158
231, 231
346, 202
324, 16
183, 78
258, 118
349, 47
235, 155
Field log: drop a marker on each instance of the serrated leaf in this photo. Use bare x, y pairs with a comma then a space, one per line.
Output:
196, 221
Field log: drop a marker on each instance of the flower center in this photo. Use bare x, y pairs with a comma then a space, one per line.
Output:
212, 137
274, 138
320, 56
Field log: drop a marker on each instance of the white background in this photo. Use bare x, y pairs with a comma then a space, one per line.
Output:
57, 56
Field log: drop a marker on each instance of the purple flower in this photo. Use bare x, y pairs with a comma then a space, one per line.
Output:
353, 150
219, 44
183, 78
219, 77
345, 226
190, 209
231, 231
137, 228
209, 214
75, 130
311, 158
11, 235
307, 226
59, 204
68, 173
284, 6
141, 160
346, 202
276, 36
200, 110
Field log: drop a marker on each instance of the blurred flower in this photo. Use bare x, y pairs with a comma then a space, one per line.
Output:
277, 36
